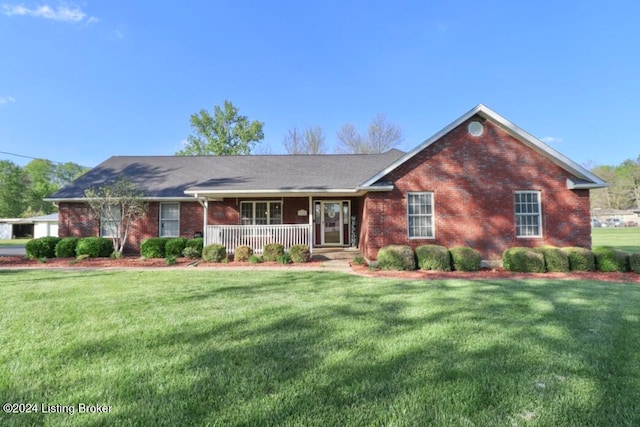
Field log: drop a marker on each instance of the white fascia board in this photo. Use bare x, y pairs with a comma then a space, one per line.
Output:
517, 132
203, 193
572, 185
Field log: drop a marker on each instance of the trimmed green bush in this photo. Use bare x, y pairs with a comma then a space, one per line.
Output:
465, 259
255, 259
174, 247
580, 259
272, 251
554, 259
196, 243
214, 253
433, 257
524, 260
396, 257
299, 253
242, 253
611, 260
66, 248
191, 252
154, 247
634, 262
42, 247
94, 247
285, 258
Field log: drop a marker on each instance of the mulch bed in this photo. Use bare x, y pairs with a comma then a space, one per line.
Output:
488, 274
138, 262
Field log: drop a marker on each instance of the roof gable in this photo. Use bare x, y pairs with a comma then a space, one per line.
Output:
584, 178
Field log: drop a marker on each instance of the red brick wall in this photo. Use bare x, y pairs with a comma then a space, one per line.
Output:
473, 180
75, 221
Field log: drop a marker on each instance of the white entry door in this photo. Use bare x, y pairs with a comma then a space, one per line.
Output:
332, 223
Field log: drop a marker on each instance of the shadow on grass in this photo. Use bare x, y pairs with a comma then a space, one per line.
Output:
327, 349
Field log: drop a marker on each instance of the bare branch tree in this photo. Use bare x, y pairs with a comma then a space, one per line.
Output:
309, 141
117, 205
382, 136
349, 140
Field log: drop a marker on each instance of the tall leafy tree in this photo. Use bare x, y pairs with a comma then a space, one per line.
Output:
381, 136
118, 204
310, 141
224, 133
40, 176
12, 184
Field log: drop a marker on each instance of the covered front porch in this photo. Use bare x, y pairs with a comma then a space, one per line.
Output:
315, 221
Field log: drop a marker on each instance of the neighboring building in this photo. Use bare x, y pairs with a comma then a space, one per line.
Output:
34, 227
616, 217
481, 182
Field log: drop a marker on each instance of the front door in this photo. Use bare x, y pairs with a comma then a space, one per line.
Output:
332, 223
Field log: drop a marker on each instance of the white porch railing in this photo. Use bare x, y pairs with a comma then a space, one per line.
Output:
256, 236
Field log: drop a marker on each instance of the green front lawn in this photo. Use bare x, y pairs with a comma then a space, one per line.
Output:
13, 242
626, 239
316, 348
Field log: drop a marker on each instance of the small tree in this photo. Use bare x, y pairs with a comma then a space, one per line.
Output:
117, 205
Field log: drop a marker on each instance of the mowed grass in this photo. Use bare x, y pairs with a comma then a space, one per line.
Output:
318, 348
13, 242
626, 239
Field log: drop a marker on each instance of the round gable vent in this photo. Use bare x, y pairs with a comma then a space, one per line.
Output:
476, 128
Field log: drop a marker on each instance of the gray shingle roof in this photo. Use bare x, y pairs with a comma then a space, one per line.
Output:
170, 176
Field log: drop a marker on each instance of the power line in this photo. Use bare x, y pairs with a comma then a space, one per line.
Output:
29, 157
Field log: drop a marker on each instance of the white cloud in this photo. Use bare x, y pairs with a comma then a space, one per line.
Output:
62, 13
7, 100
551, 140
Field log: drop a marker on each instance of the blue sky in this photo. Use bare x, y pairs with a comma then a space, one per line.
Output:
87, 80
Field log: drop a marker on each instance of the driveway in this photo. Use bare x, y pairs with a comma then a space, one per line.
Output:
12, 250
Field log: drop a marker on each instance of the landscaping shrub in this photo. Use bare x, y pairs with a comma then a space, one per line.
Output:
554, 259
214, 253
634, 262
396, 257
43, 247
580, 259
611, 260
285, 258
255, 259
272, 251
525, 260
154, 247
191, 252
175, 246
94, 247
66, 248
465, 259
299, 253
171, 260
358, 260
242, 253
433, 257
196, 243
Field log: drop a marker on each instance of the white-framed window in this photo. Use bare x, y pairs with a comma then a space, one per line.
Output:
109, 221
261, 213
169, 219
420, 215
528, 213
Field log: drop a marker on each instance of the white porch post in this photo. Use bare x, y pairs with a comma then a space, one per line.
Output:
311, 233
205, 220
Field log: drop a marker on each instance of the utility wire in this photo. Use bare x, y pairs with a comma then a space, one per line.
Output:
29, 157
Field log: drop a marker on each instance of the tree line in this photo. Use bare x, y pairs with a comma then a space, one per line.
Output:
624, 186
23, 188
226, 132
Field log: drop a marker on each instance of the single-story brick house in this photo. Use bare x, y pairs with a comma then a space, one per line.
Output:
481, 182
